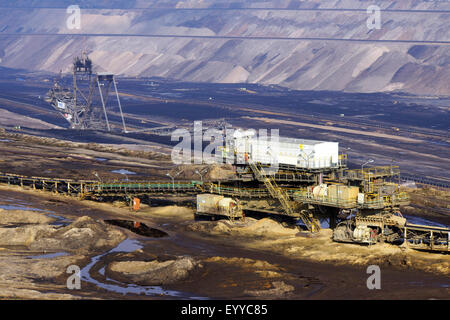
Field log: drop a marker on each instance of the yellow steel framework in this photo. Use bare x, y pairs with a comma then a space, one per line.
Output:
283, 197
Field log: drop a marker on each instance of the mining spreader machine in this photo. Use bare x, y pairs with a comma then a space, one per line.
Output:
302, 180
306, 180
79, 104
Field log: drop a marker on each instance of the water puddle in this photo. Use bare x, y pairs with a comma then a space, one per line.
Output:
127, 245
433, 284
20, 207
123, 171
16, 225
5, 140
16, 204
101, 159
60, 221
49, 255
24, 206
138, 228
324, 223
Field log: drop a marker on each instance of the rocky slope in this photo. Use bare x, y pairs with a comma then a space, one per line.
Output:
369, 66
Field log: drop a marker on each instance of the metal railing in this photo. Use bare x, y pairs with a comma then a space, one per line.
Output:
309, 197
380, 201
374, 172
118, 187
283, 197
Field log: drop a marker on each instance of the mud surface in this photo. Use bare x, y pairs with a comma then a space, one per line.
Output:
429, 203
139, 228
198, 259
410, 131
41, 234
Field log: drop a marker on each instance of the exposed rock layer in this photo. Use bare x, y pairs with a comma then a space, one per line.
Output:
299, 64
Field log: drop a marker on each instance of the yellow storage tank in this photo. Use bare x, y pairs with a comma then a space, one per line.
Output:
342, 193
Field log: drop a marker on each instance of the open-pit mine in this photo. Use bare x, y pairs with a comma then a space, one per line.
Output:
95, 204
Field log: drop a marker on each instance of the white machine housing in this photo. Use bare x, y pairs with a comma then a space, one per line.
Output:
301, 153
283, 151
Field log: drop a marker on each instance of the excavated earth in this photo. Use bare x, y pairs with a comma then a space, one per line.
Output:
162, 252
259, 259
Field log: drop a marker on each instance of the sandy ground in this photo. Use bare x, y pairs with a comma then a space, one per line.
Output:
266, 234
28, 272
429, 202
256, 259
22, 154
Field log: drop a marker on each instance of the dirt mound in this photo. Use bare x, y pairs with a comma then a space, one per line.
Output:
206, 172
153, 272
212, 227
279, 289
23, 235
84, 235
428, 202
412, 260
27, 294
266, 228
262, 268
23, 217
245, 263
266, 234
168, 211
30, 277
35, 275
222, 172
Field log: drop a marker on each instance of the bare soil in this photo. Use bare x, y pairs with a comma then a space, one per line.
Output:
429, 202
233, 265
256, 259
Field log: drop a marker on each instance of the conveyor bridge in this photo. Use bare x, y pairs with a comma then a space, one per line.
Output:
286, 195
416, 236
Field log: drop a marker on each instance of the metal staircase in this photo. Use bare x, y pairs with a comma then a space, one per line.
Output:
283, 197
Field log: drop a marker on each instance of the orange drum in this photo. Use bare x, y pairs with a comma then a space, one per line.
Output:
136, 204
